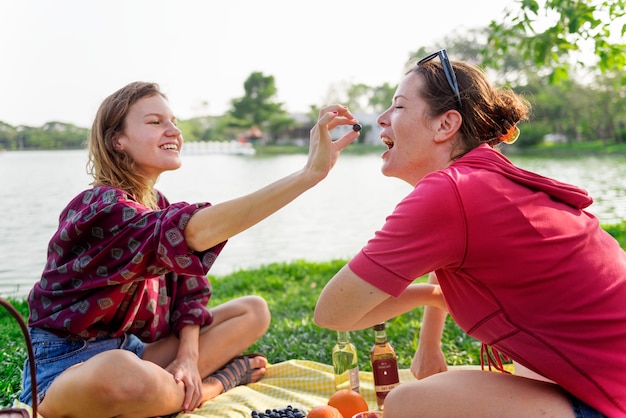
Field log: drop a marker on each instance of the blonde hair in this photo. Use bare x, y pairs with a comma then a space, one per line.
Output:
109, 166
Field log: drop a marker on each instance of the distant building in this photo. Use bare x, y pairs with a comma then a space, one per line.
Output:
555, 138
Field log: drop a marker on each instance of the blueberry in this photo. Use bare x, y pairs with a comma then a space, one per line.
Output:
356, 127
287, 412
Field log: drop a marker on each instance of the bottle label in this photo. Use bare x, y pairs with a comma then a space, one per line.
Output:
385, 375
355, 383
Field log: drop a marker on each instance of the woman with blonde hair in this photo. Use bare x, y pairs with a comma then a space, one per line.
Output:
119, 319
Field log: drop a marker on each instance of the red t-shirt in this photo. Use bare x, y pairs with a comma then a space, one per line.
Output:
523, 268
115, 266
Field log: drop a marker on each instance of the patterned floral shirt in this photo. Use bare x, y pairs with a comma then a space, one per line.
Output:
115, 266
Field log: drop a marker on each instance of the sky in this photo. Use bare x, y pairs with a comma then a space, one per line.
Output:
60, 58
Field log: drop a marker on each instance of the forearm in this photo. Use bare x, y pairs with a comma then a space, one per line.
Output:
215, 224
432, 326
188, 346
433, 321
415, 296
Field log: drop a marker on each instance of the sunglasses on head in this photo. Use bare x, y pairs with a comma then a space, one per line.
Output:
447, 69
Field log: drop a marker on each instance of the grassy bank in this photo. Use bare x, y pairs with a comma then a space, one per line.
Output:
291, 290
547, 149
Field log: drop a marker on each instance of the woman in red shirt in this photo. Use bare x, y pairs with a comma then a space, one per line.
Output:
514, 257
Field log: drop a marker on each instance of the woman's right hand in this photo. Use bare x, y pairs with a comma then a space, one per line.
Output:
428, 361
212, 225
323, 151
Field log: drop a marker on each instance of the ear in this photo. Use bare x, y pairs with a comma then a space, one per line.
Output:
449, 124
117, 142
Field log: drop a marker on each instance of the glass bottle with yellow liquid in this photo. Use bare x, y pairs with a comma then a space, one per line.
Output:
384, 365
345, 363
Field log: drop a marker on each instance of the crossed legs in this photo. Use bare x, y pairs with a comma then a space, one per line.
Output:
117, 383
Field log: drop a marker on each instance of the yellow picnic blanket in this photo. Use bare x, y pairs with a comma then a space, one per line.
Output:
302, 384
299, 383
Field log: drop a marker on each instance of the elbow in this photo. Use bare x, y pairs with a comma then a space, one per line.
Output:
192, 241
200, 237
319, 318
324, 318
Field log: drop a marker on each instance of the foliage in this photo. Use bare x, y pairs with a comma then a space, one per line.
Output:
572, 25
381, 97
255, 108
532, 134
52, 135
618, 231
364, 98
8, 136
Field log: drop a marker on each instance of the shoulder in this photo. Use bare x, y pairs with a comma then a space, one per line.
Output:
100, 199
104, 194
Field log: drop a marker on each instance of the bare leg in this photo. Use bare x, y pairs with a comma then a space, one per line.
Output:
477, 393
115, 383
119, 384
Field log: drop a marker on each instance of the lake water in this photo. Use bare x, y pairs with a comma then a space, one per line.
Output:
332, 220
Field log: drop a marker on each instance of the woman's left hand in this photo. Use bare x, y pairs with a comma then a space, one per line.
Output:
186, 371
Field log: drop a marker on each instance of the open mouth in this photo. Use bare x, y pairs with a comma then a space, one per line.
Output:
169, 147
388, 142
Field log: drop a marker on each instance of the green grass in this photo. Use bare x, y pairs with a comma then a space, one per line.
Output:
291, 290
13, 353
545, 148
354, 149
579, 147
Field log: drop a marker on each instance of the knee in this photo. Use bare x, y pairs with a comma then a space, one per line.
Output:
131, 380
260, 313
396, 402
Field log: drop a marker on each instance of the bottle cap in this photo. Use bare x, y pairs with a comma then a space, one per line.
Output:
379, 327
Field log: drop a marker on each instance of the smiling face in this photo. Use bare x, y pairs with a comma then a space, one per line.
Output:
151, 137
418, 143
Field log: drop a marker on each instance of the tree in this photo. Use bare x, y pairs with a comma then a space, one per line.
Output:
572, 26
256, 107
8, 137
364, 98
381, 97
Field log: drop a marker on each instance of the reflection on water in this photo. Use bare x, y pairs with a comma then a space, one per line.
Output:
332, 220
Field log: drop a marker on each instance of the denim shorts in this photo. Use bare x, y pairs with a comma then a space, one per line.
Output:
54, 354
582, 410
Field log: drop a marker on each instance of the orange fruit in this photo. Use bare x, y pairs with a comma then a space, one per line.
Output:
324, 411
348, 402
